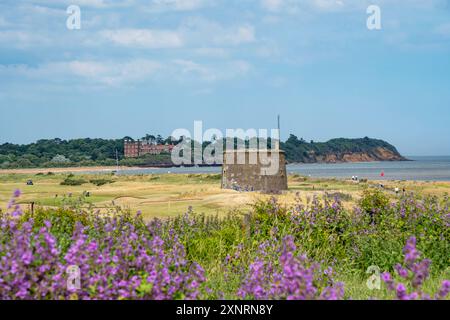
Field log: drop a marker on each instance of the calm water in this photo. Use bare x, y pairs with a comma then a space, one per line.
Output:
422, 168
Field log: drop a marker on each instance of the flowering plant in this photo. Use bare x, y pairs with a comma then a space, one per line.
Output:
414, 272
117, 261
294, 278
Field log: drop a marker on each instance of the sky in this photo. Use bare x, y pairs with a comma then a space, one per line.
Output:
153, 66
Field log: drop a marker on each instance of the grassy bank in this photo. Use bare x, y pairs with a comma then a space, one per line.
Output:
312, 249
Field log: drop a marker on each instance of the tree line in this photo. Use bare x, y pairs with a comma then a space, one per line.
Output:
102, 152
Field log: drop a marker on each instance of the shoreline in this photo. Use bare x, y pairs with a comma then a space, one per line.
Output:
104, 169
114, 168
372, 172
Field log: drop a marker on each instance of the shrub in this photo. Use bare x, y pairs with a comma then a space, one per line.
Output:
101, 182
373, 203
117, 259
70, 180
415, 273
73, 182
339, 195
275, 252
294, 277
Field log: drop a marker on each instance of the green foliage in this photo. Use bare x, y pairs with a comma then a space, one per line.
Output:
70, 181
340, 195
63, 222
212, 177
94, 152
60, 153
348, 240
373, 201
101, 182
298, 150
163, 159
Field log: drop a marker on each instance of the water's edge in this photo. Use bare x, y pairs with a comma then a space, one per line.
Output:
420, 169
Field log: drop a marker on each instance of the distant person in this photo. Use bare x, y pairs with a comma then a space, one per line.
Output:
397, 190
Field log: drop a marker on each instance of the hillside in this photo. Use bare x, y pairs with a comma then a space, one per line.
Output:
340, 150
102, 152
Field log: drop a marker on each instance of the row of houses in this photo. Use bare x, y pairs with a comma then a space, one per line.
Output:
136, 148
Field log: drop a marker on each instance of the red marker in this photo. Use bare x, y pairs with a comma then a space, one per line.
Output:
382, 173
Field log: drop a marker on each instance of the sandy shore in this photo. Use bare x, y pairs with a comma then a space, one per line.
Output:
65, 170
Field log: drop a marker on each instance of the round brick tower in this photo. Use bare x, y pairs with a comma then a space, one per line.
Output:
254, 170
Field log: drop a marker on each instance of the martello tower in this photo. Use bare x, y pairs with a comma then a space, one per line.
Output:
251, 176
255, 169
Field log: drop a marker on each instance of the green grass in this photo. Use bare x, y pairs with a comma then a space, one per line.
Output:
357, 289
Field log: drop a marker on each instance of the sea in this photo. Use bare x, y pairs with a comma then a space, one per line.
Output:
420, 168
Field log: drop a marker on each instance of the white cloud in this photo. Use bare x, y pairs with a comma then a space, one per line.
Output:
190, 70
144, 38
212, 52
202, 33
272, 5
329, 4
85, 3
236, 36
152, 5
200, 36
114, 73
122, 73
189, 67
23, 39
298, 6
295, 6
277, 6
177, 5
104, 73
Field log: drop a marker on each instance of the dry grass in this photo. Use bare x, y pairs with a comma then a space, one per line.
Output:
172, 194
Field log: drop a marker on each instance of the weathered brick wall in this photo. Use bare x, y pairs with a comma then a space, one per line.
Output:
133, 149
248, 177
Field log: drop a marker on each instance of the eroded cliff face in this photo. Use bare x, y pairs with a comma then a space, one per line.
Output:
376, 154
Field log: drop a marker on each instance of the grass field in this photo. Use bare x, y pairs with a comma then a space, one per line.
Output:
169, 195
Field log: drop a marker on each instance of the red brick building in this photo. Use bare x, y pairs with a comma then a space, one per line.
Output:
134, 149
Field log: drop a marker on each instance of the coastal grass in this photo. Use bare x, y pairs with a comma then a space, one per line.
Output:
209, 243
168, 195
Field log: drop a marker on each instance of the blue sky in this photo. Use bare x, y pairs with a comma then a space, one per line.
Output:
153, 66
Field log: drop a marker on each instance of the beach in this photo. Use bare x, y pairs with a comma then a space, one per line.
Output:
103, 169
419, 169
